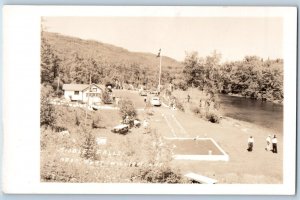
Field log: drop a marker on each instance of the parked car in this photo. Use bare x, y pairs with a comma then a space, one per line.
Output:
143, 93
155, 101
121, 128
96, 105
154, 92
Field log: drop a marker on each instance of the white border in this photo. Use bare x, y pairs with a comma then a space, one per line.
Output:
21, 120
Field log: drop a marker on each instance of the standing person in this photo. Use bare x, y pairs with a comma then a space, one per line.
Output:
269, 145
188, 98
274, 144
250, 143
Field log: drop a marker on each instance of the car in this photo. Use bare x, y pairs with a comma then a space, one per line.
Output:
121, 128
96, 105
143, 93
155, 101
154, 92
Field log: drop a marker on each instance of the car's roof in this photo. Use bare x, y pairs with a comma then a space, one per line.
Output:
121, 126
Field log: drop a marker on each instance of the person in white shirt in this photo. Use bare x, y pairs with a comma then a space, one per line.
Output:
250, 143
269, 144
274, 144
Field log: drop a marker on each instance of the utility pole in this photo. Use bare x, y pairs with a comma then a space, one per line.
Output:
159, 79
57, 84
88, 101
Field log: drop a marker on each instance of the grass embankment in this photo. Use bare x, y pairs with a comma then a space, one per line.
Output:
135, 157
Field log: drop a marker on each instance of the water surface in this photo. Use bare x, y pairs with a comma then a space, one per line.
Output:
261, 113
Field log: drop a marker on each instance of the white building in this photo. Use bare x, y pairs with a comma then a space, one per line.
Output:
83, 92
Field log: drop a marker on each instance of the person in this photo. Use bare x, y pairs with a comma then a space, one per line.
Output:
145, 99
269, 145
250, 143
188, 98
274, 144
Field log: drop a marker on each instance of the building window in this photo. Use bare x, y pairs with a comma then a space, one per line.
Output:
76, 92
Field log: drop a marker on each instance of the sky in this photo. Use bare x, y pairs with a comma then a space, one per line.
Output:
233, 37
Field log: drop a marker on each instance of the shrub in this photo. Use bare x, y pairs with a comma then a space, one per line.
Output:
77, 122
89, 147
196, 110
96, 122
179, 105
106, 98
158, 175
212, 117
127, 109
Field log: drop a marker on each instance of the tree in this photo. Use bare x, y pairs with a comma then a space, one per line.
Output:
78, 70
47, 114
50, 63
89, 145
127, 109
106, 97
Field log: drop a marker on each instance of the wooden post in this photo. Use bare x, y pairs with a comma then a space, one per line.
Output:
160, 58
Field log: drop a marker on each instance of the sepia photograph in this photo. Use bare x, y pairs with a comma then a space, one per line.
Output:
162, 100
150, 100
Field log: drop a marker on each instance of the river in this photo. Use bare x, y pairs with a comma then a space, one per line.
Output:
265, 114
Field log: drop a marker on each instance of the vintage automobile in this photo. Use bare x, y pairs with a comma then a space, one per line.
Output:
143, 93
155, 101
96, 105
154, 92
121, 128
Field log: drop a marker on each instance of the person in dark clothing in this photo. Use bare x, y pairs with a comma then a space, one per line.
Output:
188, 98
274, 144
250, 143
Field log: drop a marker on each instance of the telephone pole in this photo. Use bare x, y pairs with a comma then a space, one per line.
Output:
88, 101
159, 78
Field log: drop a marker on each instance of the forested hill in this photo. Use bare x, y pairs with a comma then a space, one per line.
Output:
73, 60
107, 57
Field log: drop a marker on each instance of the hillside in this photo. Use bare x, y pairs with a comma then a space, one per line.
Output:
66, 46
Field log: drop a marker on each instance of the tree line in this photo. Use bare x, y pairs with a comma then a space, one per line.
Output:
251, 77
78, 68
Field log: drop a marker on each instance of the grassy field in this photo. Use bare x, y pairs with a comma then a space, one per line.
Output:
133, 95
139, 156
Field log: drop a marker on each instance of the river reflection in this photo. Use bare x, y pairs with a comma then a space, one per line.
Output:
265, 114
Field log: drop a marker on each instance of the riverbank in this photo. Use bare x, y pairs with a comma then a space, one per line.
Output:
267, 100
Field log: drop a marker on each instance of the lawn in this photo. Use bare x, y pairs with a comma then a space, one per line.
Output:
132, 95
73, 153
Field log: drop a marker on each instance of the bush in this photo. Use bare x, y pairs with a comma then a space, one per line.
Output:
77, 122
158, 175
106, 98
127, 109
196, 110
212, 117
179, 105
89, 147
